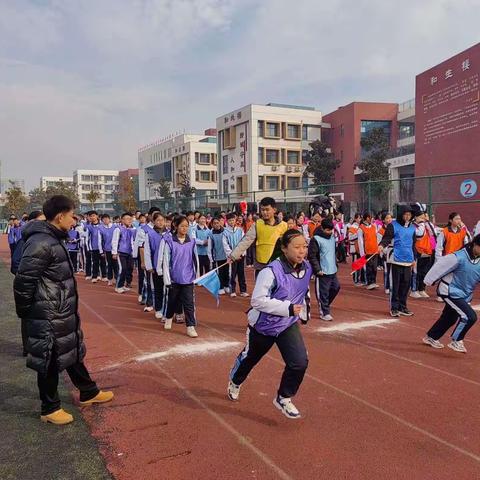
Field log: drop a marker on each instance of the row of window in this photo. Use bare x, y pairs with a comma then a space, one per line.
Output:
276, 156
205, 158
205, 176
97, 187
272, 182
104, 197
99, 178
289, 131
165, 153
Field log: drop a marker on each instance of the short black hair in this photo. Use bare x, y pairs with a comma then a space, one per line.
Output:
57, 204
105, 215
126, 214
231, 215
288, 236
189, 213
92, 212
152, 210
157, 214
268, 202
35, 214
327, 223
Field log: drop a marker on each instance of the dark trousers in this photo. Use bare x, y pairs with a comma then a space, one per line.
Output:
250, 257
95, 263
359, 275
183, 296
399, 286
238, 271
103, 266
12, 248
223, 273
88, 263
293, 351
74, 259
455, 310
341, 252
371, 269
48, 385
125, 269
386, 274
158, 288
423, 266
112, 266
326, 289
148, 289
141, 276
24, 337
204, 263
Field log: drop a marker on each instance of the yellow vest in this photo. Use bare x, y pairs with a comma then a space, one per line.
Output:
267, 236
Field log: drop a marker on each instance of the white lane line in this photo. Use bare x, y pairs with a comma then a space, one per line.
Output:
372, 406
348, 326
242, 440
200, 348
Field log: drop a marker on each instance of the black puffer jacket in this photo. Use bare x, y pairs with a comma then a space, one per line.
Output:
46, 297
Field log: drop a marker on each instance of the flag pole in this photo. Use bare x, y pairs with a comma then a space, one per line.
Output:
211, 271
368, 259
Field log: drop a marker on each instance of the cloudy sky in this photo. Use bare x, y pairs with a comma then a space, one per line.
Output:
84, 83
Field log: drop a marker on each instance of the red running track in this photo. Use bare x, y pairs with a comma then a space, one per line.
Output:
376, 402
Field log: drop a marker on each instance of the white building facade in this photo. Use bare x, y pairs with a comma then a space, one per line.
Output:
104, 182
46, 182
184, 156
263, 148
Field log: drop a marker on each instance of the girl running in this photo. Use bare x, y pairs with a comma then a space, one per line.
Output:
279, 300
180, 266
459, 274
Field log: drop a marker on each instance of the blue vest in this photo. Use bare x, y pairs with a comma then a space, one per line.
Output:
182, 263
217, 244
154, 239
233, 236
287, 287
125, 240
202, 234
107, 235
465, 277
328, 260
93, 236
403, 243
73, 235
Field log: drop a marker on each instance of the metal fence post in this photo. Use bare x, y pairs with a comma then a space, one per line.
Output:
369, 195
430, 195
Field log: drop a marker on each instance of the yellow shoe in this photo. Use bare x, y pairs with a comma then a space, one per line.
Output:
59, 417
101, 397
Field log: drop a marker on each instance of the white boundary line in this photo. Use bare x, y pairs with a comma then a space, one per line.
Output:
242, 440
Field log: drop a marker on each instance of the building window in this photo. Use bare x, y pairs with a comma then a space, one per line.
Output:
293, 131
260, 155
304, 132
272, 130
261, 183
406, 129
261, 128
225, 164
202, 158
305, 181
109, 178
225, 186
271, 183
293, 183
97, 187
86, 178
272, 157
366, 126
341, 155
202, 176
304, 157
342, 130
293, 157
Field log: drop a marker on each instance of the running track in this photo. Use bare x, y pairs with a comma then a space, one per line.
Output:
376, 403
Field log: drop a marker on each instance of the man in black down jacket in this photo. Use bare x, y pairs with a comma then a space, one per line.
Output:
47, 301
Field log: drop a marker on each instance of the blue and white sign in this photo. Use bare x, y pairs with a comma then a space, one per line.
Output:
468, 188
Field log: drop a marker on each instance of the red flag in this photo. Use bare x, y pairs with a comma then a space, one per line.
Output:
359, 264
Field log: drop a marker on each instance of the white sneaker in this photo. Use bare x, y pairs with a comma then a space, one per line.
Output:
126, 289
221, 291
148, 309
439, 299
104, 279
168, 324
158, 315
88, 278
233, 294
191, 332
120, 290
372, 286
432, 342
140, 298
387, 291
286, 406
233, 391
424, 294
94, 280
415, 295
244, 294
458, 346
109, 283
227, 290
327, 317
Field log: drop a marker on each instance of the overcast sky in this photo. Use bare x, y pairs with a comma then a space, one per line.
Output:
84, 83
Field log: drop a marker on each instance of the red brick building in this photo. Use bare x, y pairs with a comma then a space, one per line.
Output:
348, 124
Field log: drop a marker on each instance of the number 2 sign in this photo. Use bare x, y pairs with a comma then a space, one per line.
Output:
468, 188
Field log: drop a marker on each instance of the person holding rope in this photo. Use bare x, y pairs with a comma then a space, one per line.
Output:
401, 257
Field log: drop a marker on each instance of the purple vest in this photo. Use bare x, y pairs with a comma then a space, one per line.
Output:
73, 235
93, 235
107, 235
154, 239
182, 263
288, 288
125, 240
